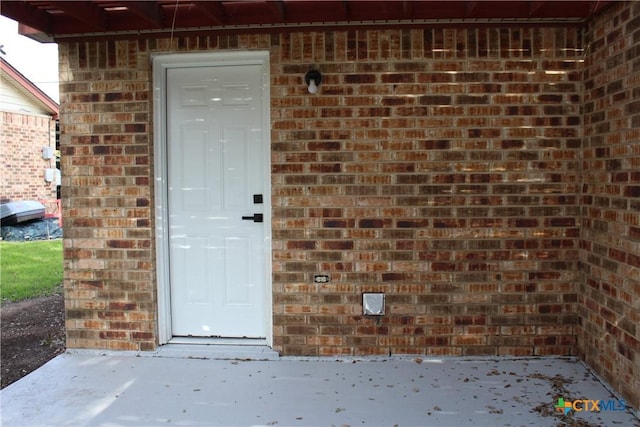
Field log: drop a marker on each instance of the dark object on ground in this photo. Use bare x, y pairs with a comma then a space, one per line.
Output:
17, 212
32, 333
45, 229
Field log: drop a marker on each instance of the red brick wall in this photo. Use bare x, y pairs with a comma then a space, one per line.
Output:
106, 146
438, 166
22, 137
609, 294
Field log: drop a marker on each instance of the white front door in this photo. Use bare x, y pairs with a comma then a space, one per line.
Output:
215, 160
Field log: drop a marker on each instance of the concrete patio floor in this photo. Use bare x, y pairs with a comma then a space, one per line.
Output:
190, 385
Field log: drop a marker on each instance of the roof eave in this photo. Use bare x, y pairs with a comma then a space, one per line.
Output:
30, 89
287, 27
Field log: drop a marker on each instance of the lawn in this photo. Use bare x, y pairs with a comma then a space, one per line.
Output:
30, 269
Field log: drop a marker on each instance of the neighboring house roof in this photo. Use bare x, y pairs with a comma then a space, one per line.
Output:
66, 19
28, 89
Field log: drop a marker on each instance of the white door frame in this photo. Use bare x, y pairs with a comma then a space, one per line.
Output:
161, 63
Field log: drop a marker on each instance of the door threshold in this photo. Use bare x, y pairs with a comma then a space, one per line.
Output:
217, 348
218, 341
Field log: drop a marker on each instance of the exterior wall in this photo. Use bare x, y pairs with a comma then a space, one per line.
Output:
22, 137
438, 166
106, 146
609, 294
16, 101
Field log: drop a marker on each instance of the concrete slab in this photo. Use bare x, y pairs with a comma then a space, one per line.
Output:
125, 389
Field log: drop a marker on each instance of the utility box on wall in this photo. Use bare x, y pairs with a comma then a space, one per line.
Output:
47, 153
49, 175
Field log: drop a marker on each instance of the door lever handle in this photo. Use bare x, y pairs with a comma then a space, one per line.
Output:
255, 218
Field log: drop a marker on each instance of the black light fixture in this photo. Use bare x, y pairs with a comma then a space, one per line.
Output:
313, 78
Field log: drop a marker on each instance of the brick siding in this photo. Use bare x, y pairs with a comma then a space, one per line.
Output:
609, 292
442, 167
23, 136
439, 167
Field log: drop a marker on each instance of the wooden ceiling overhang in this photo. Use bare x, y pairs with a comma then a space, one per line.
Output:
55, 20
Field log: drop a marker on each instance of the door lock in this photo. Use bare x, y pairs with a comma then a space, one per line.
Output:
255, 218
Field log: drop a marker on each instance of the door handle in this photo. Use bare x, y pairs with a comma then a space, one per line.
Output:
255, 218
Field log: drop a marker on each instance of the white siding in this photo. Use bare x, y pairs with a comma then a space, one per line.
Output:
13, 100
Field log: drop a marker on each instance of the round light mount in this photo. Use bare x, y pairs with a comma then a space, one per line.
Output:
313, 78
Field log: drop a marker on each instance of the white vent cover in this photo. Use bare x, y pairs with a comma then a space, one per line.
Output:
373, 304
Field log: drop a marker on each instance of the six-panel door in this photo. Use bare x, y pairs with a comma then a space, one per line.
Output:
215, 167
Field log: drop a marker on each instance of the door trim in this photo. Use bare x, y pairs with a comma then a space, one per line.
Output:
161, 63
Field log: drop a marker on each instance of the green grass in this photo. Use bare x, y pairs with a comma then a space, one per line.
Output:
30, 269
